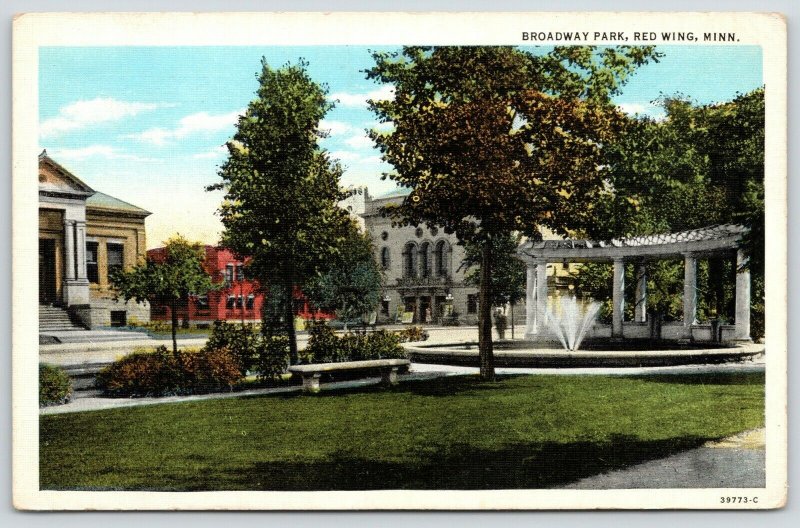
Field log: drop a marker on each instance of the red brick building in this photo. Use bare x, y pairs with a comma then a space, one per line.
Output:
238, 299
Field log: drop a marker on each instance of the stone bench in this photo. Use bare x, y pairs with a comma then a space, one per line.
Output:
311, 373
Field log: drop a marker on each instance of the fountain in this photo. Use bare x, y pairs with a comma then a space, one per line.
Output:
575, 321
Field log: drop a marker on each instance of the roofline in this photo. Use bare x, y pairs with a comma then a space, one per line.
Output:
43, 156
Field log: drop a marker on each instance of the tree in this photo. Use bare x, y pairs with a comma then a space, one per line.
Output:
282, 189
168, 279
493, 140
352, 285
701, 165
508, 271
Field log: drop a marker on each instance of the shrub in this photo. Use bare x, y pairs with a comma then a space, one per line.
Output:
241, 340
386, 345
412, 333
55, 387
273, 356
324, 346
162, 373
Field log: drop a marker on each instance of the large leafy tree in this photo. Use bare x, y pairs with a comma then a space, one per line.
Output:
493, 140
167, 279
351, 287
701, 165
282, 189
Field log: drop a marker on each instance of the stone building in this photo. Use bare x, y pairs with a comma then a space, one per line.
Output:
83, 236
424, 272
423, 275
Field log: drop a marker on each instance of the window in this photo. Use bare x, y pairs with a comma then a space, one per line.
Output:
240, 272
472, 303
385, 260
240, 301
419, 232
91, 262
384, 235
410, 260
251, 301
118, 318
385, 308
114, 254
230, 304
441, 257
424, 259
202, 302
229, 273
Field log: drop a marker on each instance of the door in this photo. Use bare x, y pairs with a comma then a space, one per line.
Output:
47, 271
425, 313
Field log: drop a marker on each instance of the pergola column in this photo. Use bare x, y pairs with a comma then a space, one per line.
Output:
618, 298
742, 297
689, 293
640, 308
536, 299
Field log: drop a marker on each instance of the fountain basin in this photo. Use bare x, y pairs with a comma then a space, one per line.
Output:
599, 354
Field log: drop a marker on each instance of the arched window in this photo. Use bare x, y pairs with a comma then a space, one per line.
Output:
425, 259
385, 258
441, 259
410, 260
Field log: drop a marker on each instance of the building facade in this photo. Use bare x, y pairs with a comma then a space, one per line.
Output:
423, 272
236, 298
83, 236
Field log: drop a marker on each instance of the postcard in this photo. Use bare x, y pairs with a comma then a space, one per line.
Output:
399, 261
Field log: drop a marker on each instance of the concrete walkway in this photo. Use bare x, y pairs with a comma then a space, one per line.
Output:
734, 462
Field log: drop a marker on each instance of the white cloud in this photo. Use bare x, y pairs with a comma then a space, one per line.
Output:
214, 153
96, 151
81, 114
335, 128
345, 155
387, 126
359, 141
360, 99
191, 124
642, 109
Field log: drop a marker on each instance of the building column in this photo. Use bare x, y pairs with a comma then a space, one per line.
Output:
742, 297
689, 293
640, 308
80, 246
536, 299
69, 249
618, 298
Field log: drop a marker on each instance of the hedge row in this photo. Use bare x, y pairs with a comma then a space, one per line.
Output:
324, 346
164, 373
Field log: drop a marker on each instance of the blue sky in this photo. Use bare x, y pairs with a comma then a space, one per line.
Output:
147, 125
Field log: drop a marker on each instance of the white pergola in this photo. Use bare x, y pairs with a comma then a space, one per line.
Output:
689, 245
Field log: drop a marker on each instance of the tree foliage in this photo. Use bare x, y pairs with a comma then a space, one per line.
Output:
508, 271
351, 286
281, 188
492, 140
168, 279
699, 166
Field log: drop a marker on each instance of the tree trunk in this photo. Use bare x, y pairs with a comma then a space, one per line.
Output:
290, 325
174, 310
485, 315
512, 321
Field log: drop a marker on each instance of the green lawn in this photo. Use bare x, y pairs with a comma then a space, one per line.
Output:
451, 433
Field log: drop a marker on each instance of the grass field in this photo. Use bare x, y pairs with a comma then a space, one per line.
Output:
449, 433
